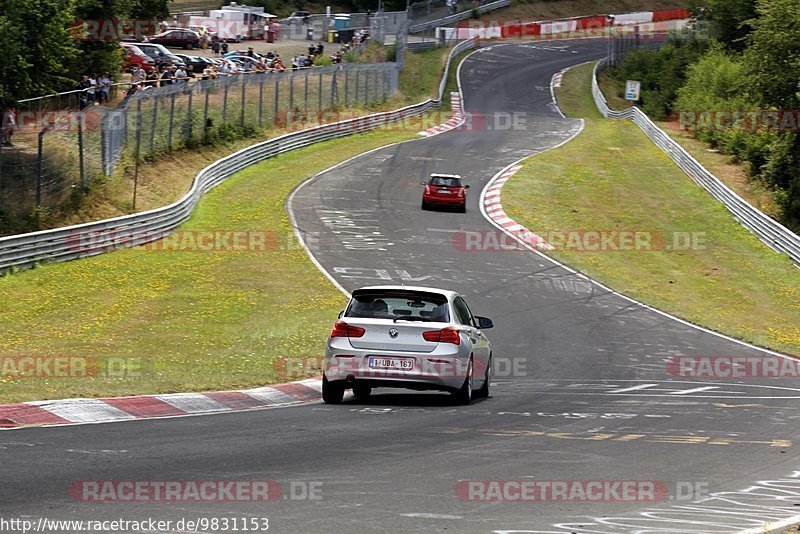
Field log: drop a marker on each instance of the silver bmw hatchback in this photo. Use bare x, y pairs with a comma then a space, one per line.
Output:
417, 338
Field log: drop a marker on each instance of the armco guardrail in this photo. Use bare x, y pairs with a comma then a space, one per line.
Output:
89, 239
444, 21
771, 232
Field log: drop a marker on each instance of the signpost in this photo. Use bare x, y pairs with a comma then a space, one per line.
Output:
632, 89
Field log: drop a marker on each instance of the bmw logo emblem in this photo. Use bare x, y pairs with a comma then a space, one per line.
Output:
393, 333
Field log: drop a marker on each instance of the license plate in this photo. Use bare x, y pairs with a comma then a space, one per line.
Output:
395, 364
445, 192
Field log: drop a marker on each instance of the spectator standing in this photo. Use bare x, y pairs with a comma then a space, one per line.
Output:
105, 83
320, 49
138, 75
215, 46
83, 87
9, 124
224, 48
166, 77
91, 91
181, 77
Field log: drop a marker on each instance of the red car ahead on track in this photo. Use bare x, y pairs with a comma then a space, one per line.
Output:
445, 190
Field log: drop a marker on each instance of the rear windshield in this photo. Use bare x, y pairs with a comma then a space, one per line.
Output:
409, 305
442, 181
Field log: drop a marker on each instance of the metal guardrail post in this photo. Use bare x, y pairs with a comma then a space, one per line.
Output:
153, 125
137, 151
39, 167
277, 92
244, 99
225, 102
260, 102
171, 120
81, 165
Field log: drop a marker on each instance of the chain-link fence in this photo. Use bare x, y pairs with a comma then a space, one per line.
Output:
57, 148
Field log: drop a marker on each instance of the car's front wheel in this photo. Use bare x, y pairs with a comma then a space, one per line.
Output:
464, 394
332, 392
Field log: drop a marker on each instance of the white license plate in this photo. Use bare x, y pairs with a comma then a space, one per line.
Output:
445, 192
395, 364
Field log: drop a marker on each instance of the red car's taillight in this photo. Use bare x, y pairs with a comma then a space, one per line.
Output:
461, 193
342, 329
427, 190
446, 335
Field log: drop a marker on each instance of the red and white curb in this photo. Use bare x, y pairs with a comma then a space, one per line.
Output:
494, 210
77, 411
455, 121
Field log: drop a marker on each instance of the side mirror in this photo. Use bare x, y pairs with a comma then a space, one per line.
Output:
484, 323
422, 183
466, 186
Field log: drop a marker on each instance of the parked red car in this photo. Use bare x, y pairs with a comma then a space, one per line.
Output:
135, 57
177, 39
445, 190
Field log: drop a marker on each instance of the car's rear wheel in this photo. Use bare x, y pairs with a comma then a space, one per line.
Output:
424, 205
361, 391
189, 46
462, 208
332, 392
483, 391
464, 394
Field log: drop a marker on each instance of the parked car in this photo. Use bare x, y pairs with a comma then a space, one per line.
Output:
245, 62
180, 38
195, 63
445, 190
135, 57
256, 55
160, 54
417, 338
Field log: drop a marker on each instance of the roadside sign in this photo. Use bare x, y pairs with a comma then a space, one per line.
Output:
632, 88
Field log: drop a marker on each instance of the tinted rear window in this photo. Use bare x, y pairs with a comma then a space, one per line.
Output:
445, 182
393, 304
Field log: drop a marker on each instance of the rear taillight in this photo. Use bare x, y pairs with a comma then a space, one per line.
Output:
446, 335
461, 193
427, 190
342, 329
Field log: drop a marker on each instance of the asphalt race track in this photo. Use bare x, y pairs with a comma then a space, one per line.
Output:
581, 389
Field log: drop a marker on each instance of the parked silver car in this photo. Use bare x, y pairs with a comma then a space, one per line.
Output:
417, 338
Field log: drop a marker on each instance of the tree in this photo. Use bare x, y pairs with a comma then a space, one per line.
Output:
772, 58
37, 47
728, 21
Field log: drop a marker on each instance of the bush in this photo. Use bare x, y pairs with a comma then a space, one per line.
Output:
662, 72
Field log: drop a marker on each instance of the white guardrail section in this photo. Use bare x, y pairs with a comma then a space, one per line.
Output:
771, 232
444, 21
89, 239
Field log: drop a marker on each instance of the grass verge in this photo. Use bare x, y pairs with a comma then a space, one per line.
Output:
612, 178
724, 167
172, 318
